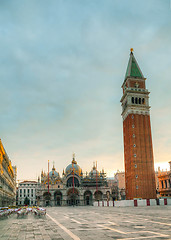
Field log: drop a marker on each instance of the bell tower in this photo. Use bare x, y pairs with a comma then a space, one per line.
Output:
138, 148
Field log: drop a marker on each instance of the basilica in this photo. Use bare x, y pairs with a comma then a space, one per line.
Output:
73, 187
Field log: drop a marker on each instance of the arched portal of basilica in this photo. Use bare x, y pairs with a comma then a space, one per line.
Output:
88, 197
98, 195
58, 198
73, 197
47, 199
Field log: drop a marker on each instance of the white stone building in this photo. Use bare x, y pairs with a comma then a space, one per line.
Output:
27, 192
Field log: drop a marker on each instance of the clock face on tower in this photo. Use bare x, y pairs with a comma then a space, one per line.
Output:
136, 85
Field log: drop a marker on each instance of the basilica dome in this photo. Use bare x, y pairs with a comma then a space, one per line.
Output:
73, 166
93, 172
53, 173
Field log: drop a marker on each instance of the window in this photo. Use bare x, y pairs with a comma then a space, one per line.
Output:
143, 101
136, 176
132, 99
137, 187
134, 145
20, 191
135, 165
139, 100
136, 100
165, 183
162, 184
133, 135
31, 190
135, 155
133, 126
132, 116
70, 182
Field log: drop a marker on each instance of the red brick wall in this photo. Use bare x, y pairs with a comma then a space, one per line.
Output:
133, 82
130, 83
143, 159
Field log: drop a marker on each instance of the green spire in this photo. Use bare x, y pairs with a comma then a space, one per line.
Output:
133, 70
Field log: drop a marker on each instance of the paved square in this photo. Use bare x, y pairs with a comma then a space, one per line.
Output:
91, 223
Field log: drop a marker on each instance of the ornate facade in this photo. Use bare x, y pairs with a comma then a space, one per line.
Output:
7, 179
165, 183
120, 180
73, 188
138, 148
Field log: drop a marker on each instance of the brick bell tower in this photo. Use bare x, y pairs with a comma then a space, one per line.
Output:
138, 149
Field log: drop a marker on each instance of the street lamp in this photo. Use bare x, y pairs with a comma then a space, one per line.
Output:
2, 195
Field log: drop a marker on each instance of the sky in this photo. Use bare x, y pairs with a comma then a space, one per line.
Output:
62, 64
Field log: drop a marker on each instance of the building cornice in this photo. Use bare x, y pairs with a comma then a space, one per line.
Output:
134, 110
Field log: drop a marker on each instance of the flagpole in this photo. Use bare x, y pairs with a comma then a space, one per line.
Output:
48, 176
96, 178
73, 177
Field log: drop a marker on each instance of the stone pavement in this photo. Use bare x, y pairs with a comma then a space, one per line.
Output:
91, 223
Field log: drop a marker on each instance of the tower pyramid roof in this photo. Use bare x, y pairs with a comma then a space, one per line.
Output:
133, 69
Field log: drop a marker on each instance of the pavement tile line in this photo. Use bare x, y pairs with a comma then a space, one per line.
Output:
112, 229
83, 220
140, 218
155, 235
160, 234
167, 224
112, 223
64, 228
75, 221
138, 238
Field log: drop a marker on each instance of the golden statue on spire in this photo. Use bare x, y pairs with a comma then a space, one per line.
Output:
73, 159
131, 49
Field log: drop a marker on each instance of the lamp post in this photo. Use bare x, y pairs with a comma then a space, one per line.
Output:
1, 195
